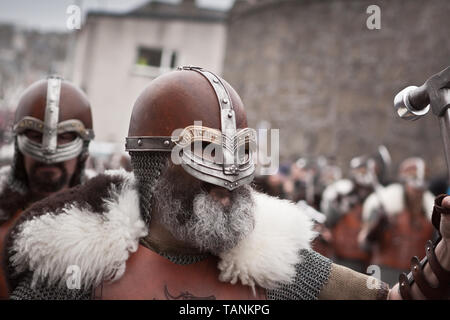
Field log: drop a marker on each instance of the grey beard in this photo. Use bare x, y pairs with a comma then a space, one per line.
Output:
203, 222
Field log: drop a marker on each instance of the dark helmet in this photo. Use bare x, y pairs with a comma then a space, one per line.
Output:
50, 108
368, 170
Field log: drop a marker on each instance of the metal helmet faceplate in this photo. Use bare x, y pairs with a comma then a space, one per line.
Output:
48, 151
227, 159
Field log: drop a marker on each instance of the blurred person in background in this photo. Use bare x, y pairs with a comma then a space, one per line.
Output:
342, 204
397, 220
6, 148
120, 160
304, 173
311, 177
52, 132
273, 185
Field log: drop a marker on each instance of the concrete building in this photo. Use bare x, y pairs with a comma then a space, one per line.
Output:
25, 57
117, 55
313, 69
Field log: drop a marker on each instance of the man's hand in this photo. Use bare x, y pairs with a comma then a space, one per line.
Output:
445, 221
444, 228
442, 253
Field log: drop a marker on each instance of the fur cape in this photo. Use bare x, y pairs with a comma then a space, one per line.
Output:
97, 226
12, 200
393, 198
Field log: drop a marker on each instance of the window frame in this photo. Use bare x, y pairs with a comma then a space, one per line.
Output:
154, 71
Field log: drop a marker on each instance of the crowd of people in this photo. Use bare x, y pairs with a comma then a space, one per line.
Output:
370, 217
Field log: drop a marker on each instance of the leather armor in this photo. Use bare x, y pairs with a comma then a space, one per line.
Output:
403, 238
345, 236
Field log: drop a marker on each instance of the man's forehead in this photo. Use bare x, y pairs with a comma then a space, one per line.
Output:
73, 104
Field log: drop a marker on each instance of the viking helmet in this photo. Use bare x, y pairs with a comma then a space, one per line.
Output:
367, 170
53, 107
413, 172
191, 110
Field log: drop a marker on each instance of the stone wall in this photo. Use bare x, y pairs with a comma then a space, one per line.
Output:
313, 69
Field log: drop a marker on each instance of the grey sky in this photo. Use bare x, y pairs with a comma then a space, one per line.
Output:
51, 14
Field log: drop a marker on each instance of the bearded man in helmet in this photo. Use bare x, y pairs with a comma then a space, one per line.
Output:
397, 220
52, 128
185, 224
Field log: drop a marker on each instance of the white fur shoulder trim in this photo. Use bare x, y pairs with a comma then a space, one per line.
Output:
428, 203
89, 173
393, 200
268, 256
98, 244
127, 176
391, 197
331, 192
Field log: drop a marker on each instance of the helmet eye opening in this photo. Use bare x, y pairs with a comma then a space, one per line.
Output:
33, 135
66, 137
207, 151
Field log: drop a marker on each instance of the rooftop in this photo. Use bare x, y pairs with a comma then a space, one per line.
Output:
186, 10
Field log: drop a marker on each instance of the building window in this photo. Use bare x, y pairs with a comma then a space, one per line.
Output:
149, 57
173, 59
154, 61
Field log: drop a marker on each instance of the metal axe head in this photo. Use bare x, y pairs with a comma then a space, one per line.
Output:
414, 102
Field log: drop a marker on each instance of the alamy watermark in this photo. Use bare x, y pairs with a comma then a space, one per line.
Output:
73, 21
373, 22
240, 148
73, 281
374, 281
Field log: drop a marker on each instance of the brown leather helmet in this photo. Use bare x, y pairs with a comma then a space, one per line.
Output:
200, 119
49, 109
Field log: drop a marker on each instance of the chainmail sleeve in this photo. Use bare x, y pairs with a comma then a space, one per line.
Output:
24, 291
312, 274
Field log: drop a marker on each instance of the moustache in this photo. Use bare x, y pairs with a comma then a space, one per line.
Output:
44, 182
37, 165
